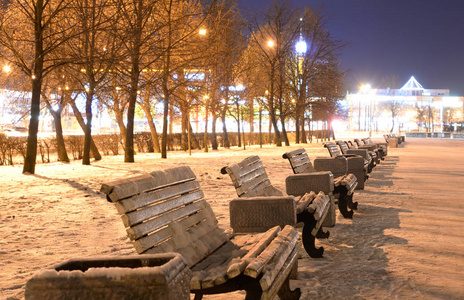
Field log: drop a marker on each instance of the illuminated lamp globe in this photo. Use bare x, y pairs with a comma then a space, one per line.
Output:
301, 47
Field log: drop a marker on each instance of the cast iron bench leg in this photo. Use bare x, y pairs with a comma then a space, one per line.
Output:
321, 234
198, 296
343, 204
253, 289
309, 239
351, 204
286, 293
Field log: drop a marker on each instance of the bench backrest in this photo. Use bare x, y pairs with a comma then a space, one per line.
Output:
250, 178
299, 160
358, 142
343, 146
367, 141
165, 211
352, 145
333, 149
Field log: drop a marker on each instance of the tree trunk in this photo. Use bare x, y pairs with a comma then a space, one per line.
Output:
153, 132
282, 119
272, 112
193, 138
185, 130
129, 142
284, 131
61, 148
129, 151
303, 131
214, 143
205, 137
31, 151
88, 128
238, 126
225, 135
80, 120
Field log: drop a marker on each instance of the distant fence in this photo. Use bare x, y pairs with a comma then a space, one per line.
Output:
438, 135
13, 149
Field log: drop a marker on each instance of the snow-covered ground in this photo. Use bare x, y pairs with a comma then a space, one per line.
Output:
406, 239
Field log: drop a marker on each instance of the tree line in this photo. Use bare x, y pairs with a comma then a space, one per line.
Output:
127, 55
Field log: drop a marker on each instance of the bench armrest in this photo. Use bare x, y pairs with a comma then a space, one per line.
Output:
274, 264
258, 214
369, 147
361, 152
300, 184
338, 165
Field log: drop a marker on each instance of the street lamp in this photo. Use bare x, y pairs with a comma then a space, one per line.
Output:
6, 68
301, 47
270, 43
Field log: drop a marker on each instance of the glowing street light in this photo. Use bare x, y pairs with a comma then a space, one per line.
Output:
301, 47
365, 88
270, 43
202, 31
6, 68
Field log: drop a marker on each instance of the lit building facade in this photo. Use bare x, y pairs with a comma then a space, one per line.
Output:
412, 108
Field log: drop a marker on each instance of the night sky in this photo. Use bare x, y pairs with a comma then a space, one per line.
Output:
420, 38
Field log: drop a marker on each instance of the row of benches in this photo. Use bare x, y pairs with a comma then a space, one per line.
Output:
165, 211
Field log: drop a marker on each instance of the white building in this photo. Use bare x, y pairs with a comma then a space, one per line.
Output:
412, 108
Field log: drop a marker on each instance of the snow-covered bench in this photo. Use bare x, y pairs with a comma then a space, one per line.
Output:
345, 184
366, 143
392, 140
165, 211
381, 148
368, 155
261, 205
357, 165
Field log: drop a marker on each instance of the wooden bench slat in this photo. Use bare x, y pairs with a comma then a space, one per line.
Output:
318, 205
295, 152
285, 248
196, 243
107, 188
248, 175
172, 176
255, 267
304, 201
127, 187
245, 170
212, 271
302, 156
142, 229
147, 198
274, 287
145, 243
238, 266
319, 222
148, 212
257, 183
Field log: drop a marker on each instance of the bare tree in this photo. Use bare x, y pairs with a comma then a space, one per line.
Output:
30, 33
55, 95
93, 52
272, 41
